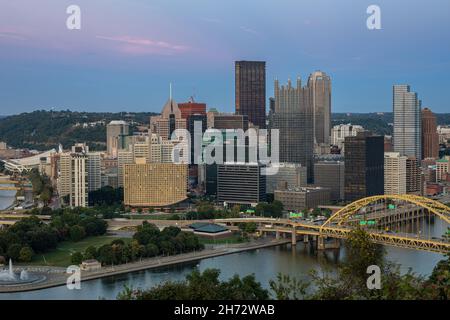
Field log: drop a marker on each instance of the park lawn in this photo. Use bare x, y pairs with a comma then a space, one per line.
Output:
60, 257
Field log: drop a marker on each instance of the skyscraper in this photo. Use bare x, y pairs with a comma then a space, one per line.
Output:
430, 137
407, 122
73, 178
250, 91
319, 86
364, 166
394, 173
169, 120
114, 130
292, 116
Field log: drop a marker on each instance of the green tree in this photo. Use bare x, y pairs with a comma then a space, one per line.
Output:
201, 286
26, 254
76, 233
14, 251
76, 258
286, 287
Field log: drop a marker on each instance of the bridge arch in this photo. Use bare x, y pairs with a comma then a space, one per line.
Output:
434, 207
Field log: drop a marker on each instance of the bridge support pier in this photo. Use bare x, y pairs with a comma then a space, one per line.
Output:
294, 236
322, 244
277, 235
305, 238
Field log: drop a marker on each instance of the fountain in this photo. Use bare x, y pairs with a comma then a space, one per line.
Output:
8, 277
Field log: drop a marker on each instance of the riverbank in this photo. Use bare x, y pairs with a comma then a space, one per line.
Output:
57, 277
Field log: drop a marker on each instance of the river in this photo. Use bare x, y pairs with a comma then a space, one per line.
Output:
264, 263
7, 197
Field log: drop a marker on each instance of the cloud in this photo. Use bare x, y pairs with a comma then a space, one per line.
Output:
133, 45
12, 35
249, 30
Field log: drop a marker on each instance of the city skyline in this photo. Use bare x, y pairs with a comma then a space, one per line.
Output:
128, 65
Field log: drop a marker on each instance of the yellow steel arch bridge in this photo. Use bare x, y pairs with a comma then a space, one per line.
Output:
397, 220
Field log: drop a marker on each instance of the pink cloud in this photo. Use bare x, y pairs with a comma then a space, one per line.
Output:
12, 34
142, 46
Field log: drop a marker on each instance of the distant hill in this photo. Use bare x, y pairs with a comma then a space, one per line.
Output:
378, 122
43, 130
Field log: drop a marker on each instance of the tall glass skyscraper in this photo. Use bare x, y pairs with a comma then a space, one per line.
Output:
250, 91
407, 121
319, 86
292, 116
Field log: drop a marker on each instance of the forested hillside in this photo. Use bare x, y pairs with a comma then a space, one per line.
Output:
43, 130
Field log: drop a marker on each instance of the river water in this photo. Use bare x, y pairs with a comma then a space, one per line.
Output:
265, 264
7, 197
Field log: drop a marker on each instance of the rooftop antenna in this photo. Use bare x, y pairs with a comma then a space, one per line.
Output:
170, 91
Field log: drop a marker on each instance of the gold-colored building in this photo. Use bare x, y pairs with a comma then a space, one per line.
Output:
154, 184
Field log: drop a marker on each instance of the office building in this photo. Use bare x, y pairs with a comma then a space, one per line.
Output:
191, 107
364, 166
94, 168
168, 121
331, 175
292, 116
250, 91
407, 122
299, 199
319, 87
241, 183
340, 131
114, 131
394, 173
413, 176
294, 174
154, 184
430, 136
442, 169
229, 121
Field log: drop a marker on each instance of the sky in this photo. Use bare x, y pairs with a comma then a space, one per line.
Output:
128, 51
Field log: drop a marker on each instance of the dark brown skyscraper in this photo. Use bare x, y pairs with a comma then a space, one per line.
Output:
364, 166
430, 137
250, 91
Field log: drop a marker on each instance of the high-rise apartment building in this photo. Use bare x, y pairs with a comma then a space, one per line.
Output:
364, 166
394, 173
154, 184
430, 136
407, 122
73, 178
293, 117
250, 91
319, 86
114, 130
